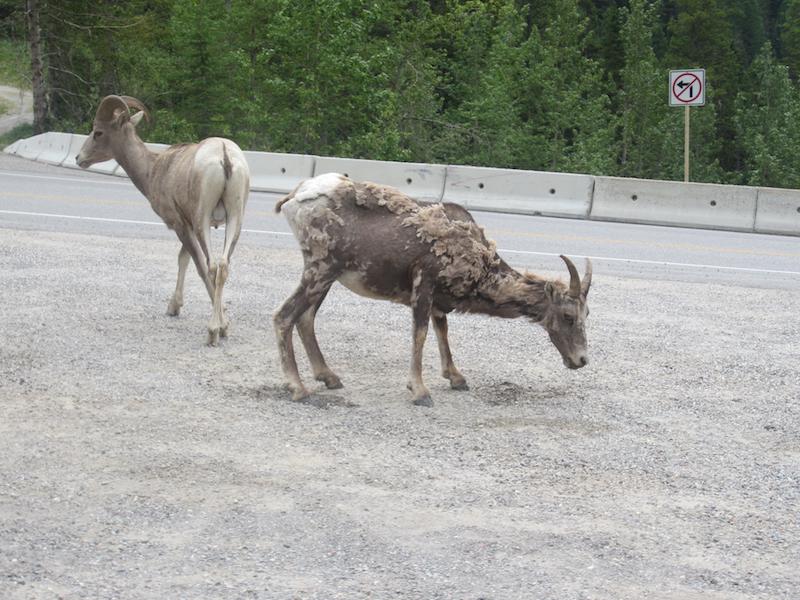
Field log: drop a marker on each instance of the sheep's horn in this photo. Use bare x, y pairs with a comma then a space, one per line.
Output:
108, 108
574, 278
134, 103
587, 278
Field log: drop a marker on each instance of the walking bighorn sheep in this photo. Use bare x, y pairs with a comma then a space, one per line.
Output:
190, 186
379, 243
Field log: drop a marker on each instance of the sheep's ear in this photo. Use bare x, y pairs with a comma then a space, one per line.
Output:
137, 118
551, 291
121, 117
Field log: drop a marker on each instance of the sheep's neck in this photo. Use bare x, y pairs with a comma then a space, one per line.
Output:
134, 157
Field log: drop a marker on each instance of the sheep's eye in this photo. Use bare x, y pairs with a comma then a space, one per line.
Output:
569, 320
97, 134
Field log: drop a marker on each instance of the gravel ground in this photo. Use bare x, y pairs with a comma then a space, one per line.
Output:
135, 462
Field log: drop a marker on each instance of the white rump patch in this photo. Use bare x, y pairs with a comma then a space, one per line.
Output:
321, 185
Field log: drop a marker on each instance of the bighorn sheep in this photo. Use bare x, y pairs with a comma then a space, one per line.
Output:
190, 186
379, 243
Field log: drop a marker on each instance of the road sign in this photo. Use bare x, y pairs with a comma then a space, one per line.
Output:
687, 87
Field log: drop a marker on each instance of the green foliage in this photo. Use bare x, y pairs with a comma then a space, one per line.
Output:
768, 123
790, 36
18, 133
643, 114
563, 85
15, 64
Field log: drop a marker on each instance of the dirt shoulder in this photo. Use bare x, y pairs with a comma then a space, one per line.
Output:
135, 462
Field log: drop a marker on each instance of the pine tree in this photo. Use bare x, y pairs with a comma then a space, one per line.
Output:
566, 102
768, 123
643, 104
494, 129
790, 37
701, 35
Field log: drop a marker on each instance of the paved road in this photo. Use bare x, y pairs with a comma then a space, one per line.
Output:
36, 196
23, 108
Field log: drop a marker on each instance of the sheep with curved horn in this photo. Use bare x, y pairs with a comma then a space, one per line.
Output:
434, 258
190, 186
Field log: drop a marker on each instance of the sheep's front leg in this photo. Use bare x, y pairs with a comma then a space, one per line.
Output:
305, 327
449, 370
421, 303
175, 304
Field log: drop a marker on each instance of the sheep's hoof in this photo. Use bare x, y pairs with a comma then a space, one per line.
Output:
425, 400
174, 309
223, 331
299, 393
460, 385
213, 337
331, 381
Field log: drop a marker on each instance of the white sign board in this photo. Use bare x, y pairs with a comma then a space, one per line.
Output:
687, 87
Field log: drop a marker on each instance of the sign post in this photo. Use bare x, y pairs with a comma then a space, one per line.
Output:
687, 88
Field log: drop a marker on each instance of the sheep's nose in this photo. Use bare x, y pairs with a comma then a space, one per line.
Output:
584, 361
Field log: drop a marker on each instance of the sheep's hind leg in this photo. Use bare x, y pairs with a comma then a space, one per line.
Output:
305, 327
307, 294
218, 325
449, 370
176, 302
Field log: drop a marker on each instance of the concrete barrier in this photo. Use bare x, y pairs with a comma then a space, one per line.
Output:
674, 203
738, 208
11, 148
273, 172
30, 147
55, 148
418, 180
778, 211
525, 192
75, 145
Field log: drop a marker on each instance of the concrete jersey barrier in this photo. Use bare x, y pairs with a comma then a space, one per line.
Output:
30, 147
11, 148
55, 148
737, 208
515, 191
674, 203
273, 172
778, 211
418, 180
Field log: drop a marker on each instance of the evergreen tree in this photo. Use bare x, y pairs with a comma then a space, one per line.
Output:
643, 98
768, 123
493, 128
790, 37
702, 36
566, 102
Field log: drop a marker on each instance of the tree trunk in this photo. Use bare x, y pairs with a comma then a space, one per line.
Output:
37, 69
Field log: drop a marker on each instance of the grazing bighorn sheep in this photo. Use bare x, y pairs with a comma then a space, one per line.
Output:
379, 243
190, 186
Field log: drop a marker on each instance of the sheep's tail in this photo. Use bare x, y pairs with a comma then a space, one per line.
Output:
286, 198
283, 201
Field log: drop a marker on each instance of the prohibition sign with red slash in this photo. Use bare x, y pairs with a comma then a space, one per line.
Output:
687, 88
